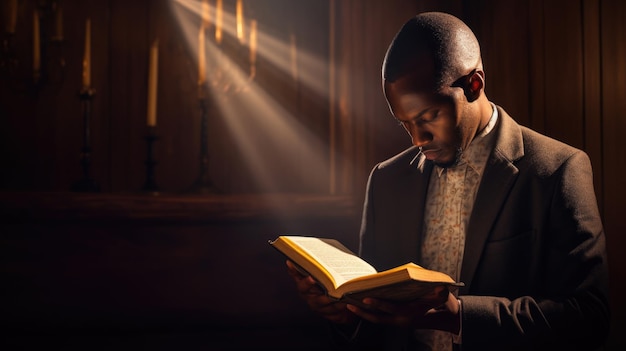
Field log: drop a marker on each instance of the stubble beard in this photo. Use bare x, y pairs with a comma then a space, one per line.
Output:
455, 161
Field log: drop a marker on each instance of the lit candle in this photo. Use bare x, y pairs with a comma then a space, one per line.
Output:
201, 62
253, 40
293, 53
12, 21
201, 57
206, 19
59, 23
153, 78
240, 21
87, 56
219, 18
36, 45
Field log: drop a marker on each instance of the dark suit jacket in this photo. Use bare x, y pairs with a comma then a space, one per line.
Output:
534, 268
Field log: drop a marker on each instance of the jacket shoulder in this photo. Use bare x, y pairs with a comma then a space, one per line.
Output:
546, 154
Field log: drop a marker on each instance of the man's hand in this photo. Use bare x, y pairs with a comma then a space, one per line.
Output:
310, 291
438, 311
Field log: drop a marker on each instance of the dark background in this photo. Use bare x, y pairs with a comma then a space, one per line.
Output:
123, 268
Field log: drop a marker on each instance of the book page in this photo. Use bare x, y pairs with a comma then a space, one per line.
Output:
340, 262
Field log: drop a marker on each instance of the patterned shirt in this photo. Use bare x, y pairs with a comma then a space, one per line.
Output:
451, 195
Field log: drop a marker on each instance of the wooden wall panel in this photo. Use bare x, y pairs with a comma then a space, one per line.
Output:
505, 46
563, 72
129, 65
536, 66
613, 51
592, 92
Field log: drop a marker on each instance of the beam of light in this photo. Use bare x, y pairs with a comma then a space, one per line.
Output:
312, 67
274, 50
255, 119
253, 47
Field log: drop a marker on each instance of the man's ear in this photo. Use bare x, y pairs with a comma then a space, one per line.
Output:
474, 84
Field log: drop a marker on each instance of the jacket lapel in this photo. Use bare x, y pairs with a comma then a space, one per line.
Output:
500, 175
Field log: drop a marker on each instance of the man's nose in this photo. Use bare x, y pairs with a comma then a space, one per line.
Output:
419, 136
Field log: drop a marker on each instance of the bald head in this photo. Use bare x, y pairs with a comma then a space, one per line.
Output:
436, 45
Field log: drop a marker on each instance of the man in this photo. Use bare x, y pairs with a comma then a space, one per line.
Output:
509, 212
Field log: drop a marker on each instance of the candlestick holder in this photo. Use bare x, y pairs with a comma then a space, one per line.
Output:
86, 184
150, 186
204, 184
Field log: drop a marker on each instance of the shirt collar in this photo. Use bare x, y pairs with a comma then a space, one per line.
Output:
492, 122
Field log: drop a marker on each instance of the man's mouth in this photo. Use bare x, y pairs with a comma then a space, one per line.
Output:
430, 154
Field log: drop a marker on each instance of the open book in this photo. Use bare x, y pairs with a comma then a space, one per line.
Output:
346, 276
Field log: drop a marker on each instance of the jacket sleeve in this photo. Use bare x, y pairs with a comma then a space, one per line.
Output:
572, 310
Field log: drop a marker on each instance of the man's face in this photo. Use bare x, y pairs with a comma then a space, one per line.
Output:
434, 120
